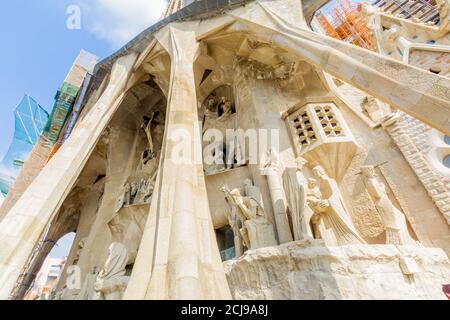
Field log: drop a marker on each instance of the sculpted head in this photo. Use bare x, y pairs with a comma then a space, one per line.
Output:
301, 163
320, 173
312, 183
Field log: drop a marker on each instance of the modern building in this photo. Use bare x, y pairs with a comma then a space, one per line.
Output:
30, 119
39, 135
46, 279
231, 151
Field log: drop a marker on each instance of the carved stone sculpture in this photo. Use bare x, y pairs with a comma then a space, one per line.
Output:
394, 220
257, 231
270, 166
111, 282
145, 191
314, 196
332, 211
146, 126
376, 110
81, 245
226, 107
214, 158
295, 189
235, 223
127, 195
87, 290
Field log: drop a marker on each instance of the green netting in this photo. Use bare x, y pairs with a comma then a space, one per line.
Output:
64, 100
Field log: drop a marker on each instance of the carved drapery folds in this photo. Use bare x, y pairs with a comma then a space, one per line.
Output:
247, 212
112, 280
394, 220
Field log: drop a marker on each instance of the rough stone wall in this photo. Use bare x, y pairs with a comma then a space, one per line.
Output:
412, 138
310, 270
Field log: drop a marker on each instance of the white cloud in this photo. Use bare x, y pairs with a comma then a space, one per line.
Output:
118, 21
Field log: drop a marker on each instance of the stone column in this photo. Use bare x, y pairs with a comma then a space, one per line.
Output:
23, 225
179, 257
278, 204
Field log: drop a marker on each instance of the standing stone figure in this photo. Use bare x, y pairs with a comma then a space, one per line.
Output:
235, 223
394, 220
146, 126
81, 245
332, 211
111, 282
225, 106
313, 197
257, 231
145, 191
294, 184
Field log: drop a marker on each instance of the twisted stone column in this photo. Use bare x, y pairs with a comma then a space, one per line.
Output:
179, 257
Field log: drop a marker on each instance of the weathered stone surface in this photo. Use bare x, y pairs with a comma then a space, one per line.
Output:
310, 270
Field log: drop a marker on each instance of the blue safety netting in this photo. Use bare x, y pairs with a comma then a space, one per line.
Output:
30, 119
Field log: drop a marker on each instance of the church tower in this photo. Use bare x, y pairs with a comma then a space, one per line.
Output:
175, 5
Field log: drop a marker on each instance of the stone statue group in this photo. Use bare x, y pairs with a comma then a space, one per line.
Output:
316, 209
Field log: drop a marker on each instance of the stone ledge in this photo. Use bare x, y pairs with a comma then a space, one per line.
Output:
310, 270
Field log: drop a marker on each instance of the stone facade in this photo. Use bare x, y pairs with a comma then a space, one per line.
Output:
413, 138
224, 133
312, 271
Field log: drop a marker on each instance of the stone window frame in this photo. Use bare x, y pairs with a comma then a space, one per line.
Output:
308, 106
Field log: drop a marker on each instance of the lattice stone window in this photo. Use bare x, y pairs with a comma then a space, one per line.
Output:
328, 121
315, 123
320, 135
303, 129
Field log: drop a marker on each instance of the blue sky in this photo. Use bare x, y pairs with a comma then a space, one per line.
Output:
38, 49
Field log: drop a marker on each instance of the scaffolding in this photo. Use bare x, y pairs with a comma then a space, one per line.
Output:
344, 21
425, 11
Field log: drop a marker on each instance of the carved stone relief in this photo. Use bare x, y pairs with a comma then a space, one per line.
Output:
112, 281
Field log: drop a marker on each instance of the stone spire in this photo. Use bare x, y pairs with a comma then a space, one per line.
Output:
175, 5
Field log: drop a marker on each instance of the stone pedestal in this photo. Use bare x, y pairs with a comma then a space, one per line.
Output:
308, 270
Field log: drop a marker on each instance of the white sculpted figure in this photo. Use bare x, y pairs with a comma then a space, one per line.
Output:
235, 222
314, 196
394, 220
213, 158
111, 282
146, 126
332, 211
257, 231
294, 184
270, 160
145, 191
81, 245
226, 107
